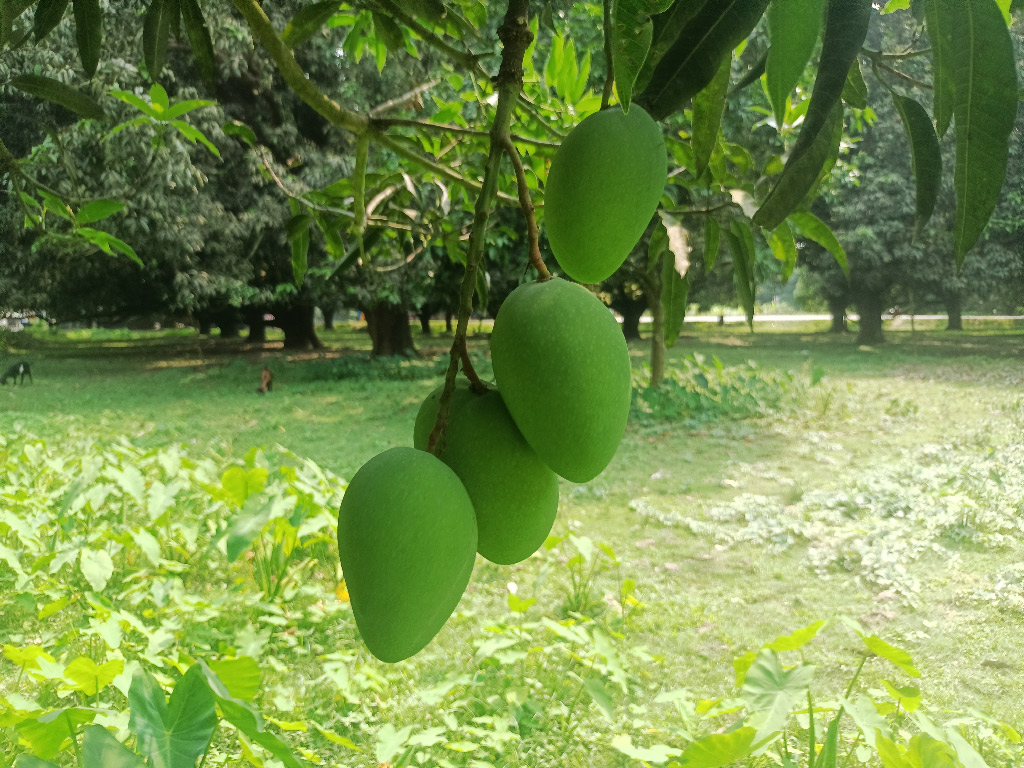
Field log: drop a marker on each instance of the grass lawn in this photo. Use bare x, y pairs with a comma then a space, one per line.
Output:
890, 492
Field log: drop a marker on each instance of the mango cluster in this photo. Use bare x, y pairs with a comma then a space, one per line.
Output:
411, 523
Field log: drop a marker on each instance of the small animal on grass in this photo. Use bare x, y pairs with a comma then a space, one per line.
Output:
266, 382
18, 369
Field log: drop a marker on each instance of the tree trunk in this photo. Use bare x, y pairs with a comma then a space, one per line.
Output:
228, 329
205, 325
389, 330
448, 322
838, 311
257, 326
870, 309
653, 293
328, 311
955, 310
631, 321
297, 324
425, 313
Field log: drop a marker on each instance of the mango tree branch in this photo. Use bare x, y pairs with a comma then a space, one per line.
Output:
526, 204
515, 37
388, 122
400, 100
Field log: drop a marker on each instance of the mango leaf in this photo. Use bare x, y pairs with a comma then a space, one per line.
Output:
194, 135
632, 31
793, 27
855, 91
753, 74
656, 754
431, 10
925, 158
815, 229
307, 22
156, 29
846, 26
47, 733
941, 20
741, 243
984, 71
667, 27
98, 209
694, 58
783, 247
242, 131
298, 236
61, 94
708, 108
107, 243
718, 749
48, 15
89, 677
675, 285
712, 238
388, 32
801, 174
175, 734
772, 692
101, 748
88, 33
97, 567
200, 40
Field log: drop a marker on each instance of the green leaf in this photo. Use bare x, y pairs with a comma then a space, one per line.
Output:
708, 108
896, 5
891, 653
97, 567
667, 28
908, 697
925, 158
101, 748
200, 40
194, 135
801, 637
388, 32
741, 243
712, 238
59, 93
801, 174
48, 15
156, 29
793, 26
482, 290
241, 677
719, 749
815, 229
298, 236
753, 74
182, 107
431, 10
772, 692
88, 33
31, 761
656, 754
855, 91
675, 286
174, 734
242, 131
864, 714
47, 733
98, 209
632, 31
694, 58
984, 72
246, 720
89, 677
107, 243
138, 102
846, 26
601, 697
941, 19
247, 524
390, 741
307, 22
830, 747
783, 247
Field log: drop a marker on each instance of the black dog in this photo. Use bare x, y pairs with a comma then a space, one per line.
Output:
18, 369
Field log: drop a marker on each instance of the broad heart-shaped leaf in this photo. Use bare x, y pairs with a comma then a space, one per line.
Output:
846, 26
88, 33
941, 21
200, 40
802, 173
984, 71
925, 158
741, 243
655, 755
172, 735
48, 15
815, 229
718, 749
156, 29
307, 22
241, 677
632, 32
59, 93
89, 677
793, 26
708, 108
97, 567
31, 761
783, 247
692, 61
48, 732
798, 638
100, 748
891, 653
667, 27
772, 692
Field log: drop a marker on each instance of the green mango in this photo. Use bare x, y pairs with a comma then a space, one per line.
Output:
562, 366
407, 543
514, 494
603, 188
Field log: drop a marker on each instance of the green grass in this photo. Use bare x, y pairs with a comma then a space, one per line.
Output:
680, 504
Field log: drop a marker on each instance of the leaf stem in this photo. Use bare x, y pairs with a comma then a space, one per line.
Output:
853, 682
533, 235
515, 36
